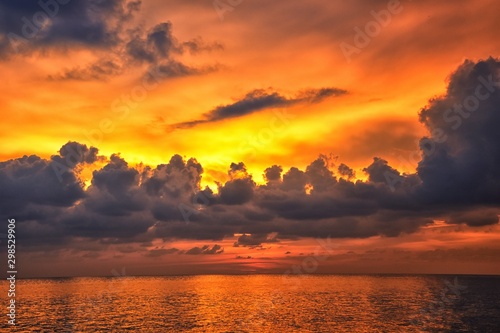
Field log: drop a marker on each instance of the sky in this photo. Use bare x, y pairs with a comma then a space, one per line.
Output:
240, 137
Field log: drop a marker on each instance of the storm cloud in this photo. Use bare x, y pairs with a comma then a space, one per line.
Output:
462, 156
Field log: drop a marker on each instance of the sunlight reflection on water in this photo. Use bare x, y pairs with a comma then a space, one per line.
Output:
259, 303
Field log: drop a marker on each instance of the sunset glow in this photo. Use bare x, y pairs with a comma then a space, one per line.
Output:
240, 139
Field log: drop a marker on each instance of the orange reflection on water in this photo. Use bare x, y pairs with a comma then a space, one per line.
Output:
250, 303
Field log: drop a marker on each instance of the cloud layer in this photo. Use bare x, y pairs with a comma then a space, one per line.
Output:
457, 180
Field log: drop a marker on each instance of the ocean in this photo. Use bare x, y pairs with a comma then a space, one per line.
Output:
257, 303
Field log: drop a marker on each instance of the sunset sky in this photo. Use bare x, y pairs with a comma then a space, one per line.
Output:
238, 136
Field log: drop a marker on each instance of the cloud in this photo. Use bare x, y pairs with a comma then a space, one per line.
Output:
481, 217
30, 25
273, 174
198, 45
216, 249
346, 171
31, 180
258, 100
254, 240
100, 70
103, 27
243, 258
158, 44
156, 49
381, 172
161, 252
114, 190
462, 155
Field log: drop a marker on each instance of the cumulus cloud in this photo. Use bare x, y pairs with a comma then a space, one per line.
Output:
124, 204
273, 173
31, 180
380, 171
345, 171
462, 155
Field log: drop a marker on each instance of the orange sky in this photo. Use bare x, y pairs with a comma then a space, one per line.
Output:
287, 48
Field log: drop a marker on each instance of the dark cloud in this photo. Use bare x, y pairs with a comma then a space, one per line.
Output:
161, 252
239, 189
30, 180
156, 49
318, 95
100, 26
480, 217
197, 45
115, 190
254, 240
319, 175
81, 222
381, 172
261, 99
346, 171
100, 70
74, 153
158, 44
216, 249
294, 179
243, 258
273, 174
29, 25
173, 69
462, 156
237, 168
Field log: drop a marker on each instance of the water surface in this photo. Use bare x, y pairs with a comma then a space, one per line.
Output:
258, 303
